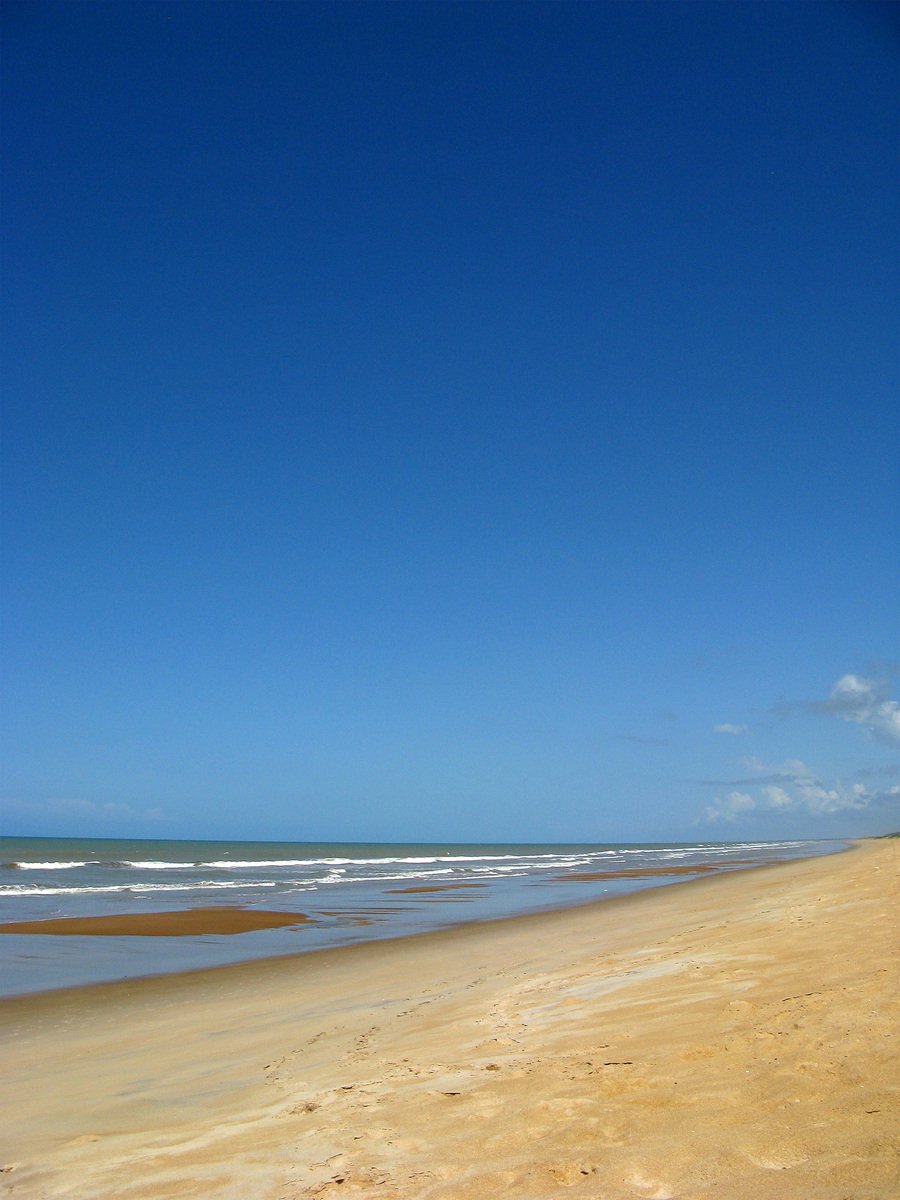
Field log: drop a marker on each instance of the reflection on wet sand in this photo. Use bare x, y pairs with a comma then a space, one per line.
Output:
642, 872
433, 887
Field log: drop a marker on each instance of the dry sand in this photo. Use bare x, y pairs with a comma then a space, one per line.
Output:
730, 1037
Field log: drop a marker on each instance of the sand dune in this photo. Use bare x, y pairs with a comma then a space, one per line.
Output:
730, 1037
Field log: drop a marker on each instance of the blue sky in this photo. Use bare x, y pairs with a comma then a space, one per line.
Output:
450, 421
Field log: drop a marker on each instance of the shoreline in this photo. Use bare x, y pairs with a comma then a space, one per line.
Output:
229, 920
720, 1037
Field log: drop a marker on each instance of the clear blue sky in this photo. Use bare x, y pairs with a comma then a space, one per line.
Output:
470, 421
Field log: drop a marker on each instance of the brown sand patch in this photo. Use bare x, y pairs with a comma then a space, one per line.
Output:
191, 922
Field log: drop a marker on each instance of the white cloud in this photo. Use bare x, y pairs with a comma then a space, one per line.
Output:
804, 791
730, 807
797, 790
777, 797
785, 771
863, 701
791, 786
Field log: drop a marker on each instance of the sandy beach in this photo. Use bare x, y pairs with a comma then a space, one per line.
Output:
730, 1036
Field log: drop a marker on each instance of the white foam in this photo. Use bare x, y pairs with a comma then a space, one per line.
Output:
151, 865
525, 867
26, 890
46, 866
227, 864
387, 860
411, 875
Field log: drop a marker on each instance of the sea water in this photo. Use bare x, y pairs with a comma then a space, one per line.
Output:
349, 891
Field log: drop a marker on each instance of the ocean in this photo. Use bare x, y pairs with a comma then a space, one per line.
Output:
348, 892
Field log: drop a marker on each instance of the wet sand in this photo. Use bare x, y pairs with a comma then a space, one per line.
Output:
431, 887
731, 1037
638, 873
193, 922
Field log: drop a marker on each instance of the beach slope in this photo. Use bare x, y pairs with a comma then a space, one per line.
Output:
731, 1037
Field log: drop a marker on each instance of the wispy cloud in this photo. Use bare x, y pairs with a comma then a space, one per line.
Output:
792, 787
859, 699
729, 807
743, 781
890, 771
67, 807
865, 702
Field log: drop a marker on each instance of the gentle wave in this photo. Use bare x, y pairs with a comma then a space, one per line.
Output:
228, 864
24, 889
409, 875
151, 865
134, 887
43, 866
293, 874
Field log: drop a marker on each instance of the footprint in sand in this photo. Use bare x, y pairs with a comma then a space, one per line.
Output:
653, 1189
